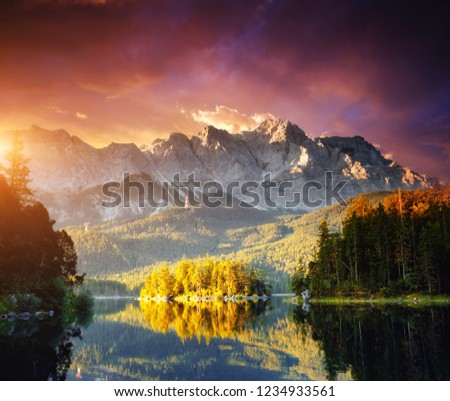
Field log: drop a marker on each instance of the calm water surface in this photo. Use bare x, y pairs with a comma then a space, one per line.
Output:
276, 340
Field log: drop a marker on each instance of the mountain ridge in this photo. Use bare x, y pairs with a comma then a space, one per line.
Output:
64, 164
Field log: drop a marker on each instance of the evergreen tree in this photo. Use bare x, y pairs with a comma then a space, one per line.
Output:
34, 258
17, 172
299, 281
67, 258
381, 239
321, 281
401, 246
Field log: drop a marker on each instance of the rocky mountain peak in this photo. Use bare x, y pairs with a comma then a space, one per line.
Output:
121, 150
211, 136
176, 142
38, 134
177, 137
61, 164
282, 130
357, 148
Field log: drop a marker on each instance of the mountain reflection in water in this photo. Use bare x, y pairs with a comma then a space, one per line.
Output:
197, 341
276, 340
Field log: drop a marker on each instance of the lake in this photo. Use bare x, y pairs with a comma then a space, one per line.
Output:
274, 340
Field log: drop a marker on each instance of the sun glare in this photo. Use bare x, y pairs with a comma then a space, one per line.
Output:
4, 145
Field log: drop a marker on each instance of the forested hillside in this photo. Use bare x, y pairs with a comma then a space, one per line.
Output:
399, 246
273, 242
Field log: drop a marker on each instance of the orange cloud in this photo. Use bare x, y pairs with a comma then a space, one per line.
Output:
230, 119
345, 69
81, 116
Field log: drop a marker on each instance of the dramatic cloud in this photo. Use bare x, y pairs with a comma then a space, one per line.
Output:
376, 68
258, 118
230, 119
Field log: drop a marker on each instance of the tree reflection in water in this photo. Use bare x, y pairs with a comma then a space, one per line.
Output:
208, 319
37, 350
390, 343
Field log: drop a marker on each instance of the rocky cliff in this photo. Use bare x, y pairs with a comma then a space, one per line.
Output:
68, 173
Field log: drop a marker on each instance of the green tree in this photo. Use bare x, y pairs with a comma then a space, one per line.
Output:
322, 279
299, 280
67, 259
34, 258
401, 246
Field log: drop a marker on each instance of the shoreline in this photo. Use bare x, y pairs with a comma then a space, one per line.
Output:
109, 297
413, 300
188, 298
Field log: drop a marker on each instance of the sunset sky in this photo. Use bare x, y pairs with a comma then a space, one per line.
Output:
134, 70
